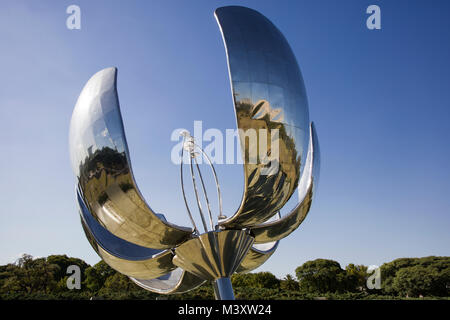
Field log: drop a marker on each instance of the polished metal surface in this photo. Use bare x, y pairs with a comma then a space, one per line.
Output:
223, 289
277, 230
194, 151
268, 93
213, 255
258, 254
125, 257
177, 281
101, 163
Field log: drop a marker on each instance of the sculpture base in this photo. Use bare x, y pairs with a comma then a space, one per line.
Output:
223, 289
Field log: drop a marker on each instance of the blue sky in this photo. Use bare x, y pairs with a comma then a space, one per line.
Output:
380, 100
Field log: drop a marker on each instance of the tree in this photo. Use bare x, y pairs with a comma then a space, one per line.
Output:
97, 275
321, 276
30, 275
63, 262
241, 279
406, 276
289, 283
389, 270
418, 280
44, 278
255, 280
118, 283
356, 277
265, 280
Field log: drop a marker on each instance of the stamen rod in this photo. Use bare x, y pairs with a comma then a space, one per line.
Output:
184, 194
194, 184
206, 195
219, 194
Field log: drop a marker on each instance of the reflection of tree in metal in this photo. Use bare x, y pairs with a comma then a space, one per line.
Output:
103, 159
269, 94
280, 185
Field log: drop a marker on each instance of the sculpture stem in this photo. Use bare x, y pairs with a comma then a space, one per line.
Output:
223, 289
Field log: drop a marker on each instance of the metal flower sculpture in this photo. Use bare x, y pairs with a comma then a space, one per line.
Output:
269, 93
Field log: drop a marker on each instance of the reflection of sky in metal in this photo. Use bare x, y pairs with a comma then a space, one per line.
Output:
114, 214
268, 92
369, 94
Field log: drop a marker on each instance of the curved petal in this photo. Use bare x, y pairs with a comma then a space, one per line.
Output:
270, 101
177, 281
279, 229
258, 254
101, 162
125, 257
215, 254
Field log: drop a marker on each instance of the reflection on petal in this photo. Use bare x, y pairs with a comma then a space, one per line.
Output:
101, 162
125, 257
259, 253
281, 228
269, 94
177, 281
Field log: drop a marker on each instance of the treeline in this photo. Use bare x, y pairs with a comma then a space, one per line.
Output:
46, 278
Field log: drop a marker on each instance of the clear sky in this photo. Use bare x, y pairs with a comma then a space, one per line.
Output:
380, 100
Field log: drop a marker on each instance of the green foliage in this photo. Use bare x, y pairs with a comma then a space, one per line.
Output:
63, 261
416, 276
265, 280
289, 284
389, 270
255, 280
421, 281
356, 277
45, 278
321, 276
29, 275
97, 275
204, 292
118, 282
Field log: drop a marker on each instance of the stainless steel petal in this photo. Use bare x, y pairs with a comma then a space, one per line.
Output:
213, 255
258, 254
268, 94
125, 257
101, 162
177, 281
281, 228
